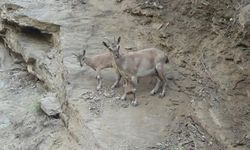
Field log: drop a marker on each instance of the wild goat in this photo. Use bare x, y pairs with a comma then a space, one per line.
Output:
98, 62
146, 62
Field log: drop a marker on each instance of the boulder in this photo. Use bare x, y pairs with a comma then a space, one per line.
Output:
39, 45
50, 105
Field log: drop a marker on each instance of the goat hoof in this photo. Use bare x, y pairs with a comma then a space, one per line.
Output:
98, 88
153, 92
162, 95
134, 103
114, 86
123, 98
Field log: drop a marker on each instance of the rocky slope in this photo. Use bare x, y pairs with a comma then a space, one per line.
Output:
207, 107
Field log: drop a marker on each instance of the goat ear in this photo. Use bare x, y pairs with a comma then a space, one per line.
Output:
84, 52
119, 40
106, 45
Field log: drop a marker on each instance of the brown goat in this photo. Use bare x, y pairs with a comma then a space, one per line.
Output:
98, 62
146, 62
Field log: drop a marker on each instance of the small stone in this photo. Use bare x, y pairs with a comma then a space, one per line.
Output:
92, 108
159, 144
119, 1
157, 26
4, 121
179, 90
182, 64
163, 36
190, 87
96, 99
86, 92
86, 97
99, 92
124, 105
50, 105
248, 136
193, 79
229, 58
160, 7
238, 61
170, 77
108, 95
50, 55
117, 98
238, 143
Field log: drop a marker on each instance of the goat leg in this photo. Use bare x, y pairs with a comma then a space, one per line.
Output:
157, 86
162, 77
162, 94
125, 86
118, 78
134, 82
134, 101
99, 80
128, 89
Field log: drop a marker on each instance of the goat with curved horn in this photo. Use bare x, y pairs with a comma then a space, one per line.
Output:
146, 62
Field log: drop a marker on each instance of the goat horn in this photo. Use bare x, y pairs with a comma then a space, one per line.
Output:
75, 54
108, 40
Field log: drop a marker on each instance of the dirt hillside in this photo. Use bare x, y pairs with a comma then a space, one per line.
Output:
208, 97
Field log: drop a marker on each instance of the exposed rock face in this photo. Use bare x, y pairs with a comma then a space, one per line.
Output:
5, 59
39, 45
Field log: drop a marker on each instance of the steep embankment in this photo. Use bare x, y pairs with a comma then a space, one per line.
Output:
209, 41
